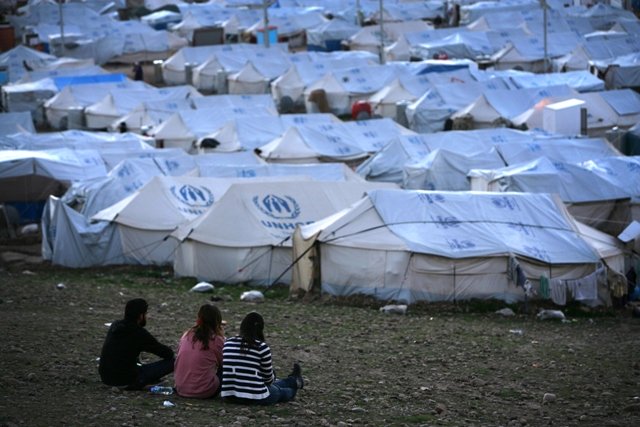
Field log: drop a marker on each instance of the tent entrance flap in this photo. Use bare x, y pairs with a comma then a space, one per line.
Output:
306, 265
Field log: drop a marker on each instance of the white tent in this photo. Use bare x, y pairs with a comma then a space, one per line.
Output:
599, 51
571, 182
603, 16
442, 160
430, 112
75, 140
35, 87
530, 53
251, 132
229, 58
316, 171
581, 81
387, 165
120, 102
145, 219
385, 101
308, 145
15, 59
74, 98
605, 110
236, 101
495, 107
445, 170
19, 122
184, 128
127, 176
248, 81
149, 115
291, 23
461, 44
174, 67
595, 193
368, 38
556, 148
29, 97
371, 135
28, 178
309, 67
344, 87
245, 236
623, 72
84, 244
338, 141
471, 11
61, 164
329, 36
444, 246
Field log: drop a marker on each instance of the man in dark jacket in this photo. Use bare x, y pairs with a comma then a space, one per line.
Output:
126, 339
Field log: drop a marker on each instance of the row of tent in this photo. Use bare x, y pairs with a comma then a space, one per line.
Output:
194, 218
349, 235
422, 96
510, 34
587, 173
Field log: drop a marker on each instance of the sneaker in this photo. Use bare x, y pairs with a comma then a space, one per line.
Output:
297, 374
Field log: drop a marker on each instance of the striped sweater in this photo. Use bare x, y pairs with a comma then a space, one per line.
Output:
246, 372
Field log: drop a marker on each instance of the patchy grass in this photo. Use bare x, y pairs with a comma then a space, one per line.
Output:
441, 364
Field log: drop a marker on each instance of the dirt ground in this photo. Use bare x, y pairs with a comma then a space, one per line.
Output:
453, 365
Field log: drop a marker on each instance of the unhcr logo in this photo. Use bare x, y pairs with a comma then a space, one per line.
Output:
505, 203
277, 207
191, 195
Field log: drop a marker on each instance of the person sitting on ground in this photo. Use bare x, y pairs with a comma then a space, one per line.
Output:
247, 370
198, 367
126, 339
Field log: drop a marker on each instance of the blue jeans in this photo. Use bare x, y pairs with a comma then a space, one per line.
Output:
152, 373
282, 390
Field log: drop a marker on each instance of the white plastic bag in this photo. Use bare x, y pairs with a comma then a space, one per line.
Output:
202, 287
394, 309
252, 296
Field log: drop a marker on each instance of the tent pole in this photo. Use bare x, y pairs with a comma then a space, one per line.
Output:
381, 33
270, 264
265, 6
544, 22
62, 50
455, 299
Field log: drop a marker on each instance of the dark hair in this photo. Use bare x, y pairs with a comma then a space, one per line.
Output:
135, 308
209, 323
251, 330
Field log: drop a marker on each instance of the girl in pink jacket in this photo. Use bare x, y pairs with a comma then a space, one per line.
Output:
198, 364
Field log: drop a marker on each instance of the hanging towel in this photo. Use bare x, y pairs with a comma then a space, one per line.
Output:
586, 288
544, 287
558, 291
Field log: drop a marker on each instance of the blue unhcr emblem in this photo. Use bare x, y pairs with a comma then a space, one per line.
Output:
633, 167
431, 198
460, 245
446, 222
190, 195
505, 203
277, 207
538, 253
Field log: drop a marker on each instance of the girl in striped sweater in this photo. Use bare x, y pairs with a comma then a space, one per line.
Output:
247, 370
